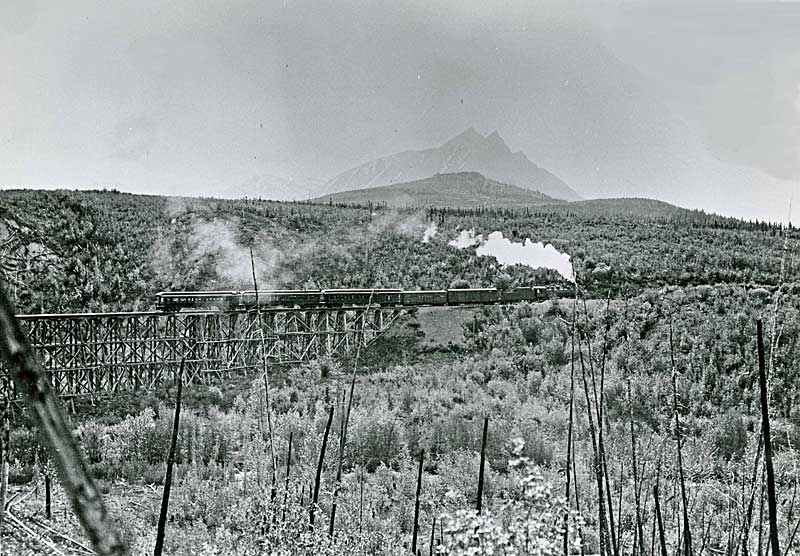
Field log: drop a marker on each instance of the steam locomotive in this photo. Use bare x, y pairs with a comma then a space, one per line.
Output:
233, 300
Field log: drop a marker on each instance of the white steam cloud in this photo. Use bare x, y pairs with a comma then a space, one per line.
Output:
466, 239
429, 233
216, 241
208, 255
508, 253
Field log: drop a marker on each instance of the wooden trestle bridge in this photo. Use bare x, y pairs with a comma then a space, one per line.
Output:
96, 353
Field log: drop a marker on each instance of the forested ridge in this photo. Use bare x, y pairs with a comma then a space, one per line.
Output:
105, 250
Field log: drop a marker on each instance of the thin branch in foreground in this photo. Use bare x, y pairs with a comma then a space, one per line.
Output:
662, 542
318, 478
638, 542
266, 382
416, 504
571, 418
687, 532
5, 457
602, 523
288, 473
345, 424
433, 531
483, 463
771, 498
31, 382
162, 518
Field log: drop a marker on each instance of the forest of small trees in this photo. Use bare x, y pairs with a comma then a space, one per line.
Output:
627, 421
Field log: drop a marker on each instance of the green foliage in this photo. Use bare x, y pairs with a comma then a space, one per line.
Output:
728, 435
531, 520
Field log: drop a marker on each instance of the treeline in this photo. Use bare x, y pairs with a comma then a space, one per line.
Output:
105, 250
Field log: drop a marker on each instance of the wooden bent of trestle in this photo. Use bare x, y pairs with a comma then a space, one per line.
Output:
106, 353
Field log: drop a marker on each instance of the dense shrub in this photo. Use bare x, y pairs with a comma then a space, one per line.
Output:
728, 435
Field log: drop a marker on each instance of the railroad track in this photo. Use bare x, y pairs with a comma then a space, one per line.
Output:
22, 534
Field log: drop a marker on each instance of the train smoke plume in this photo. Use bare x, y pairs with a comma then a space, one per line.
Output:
429, 233
508, 253
466, 238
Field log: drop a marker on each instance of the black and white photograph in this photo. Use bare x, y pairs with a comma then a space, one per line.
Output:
400, 278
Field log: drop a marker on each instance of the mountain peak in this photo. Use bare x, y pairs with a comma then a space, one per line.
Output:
468, 151
467, 137
472, 139
495, 141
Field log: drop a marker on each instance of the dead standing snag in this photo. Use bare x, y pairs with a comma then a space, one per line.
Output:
771, 497
162, 519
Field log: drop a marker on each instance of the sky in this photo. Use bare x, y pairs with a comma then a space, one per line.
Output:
696, 103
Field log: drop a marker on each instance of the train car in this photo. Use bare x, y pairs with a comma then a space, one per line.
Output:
424, 297
516, 295
558, 290
361, 297
469, 296
175, 301
281, 298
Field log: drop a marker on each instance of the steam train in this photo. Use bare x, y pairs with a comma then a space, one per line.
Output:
233, 300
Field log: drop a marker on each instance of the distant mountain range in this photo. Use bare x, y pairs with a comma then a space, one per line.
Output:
467, 152
462, 189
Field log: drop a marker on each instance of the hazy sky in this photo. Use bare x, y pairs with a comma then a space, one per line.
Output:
696, 103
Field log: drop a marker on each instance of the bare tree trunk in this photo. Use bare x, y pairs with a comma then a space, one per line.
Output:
483, 462
662, 541
748, 519
761, 515
5, 457
571, 417
619, 505
771, 498
687, 533
638, 540
433, 532
601, 425
274, 462
318, 477
345, 424
416, 505
288, 473
598, 471
162, 518
577, 497
48, 514
332, 520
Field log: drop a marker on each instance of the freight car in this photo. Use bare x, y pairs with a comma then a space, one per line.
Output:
361, 297
229, 300
284, 298
469, 296
424, 297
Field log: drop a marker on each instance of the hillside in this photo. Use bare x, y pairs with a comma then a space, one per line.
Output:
469, 151
104, 250
623, 207
425, 386
463, 189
